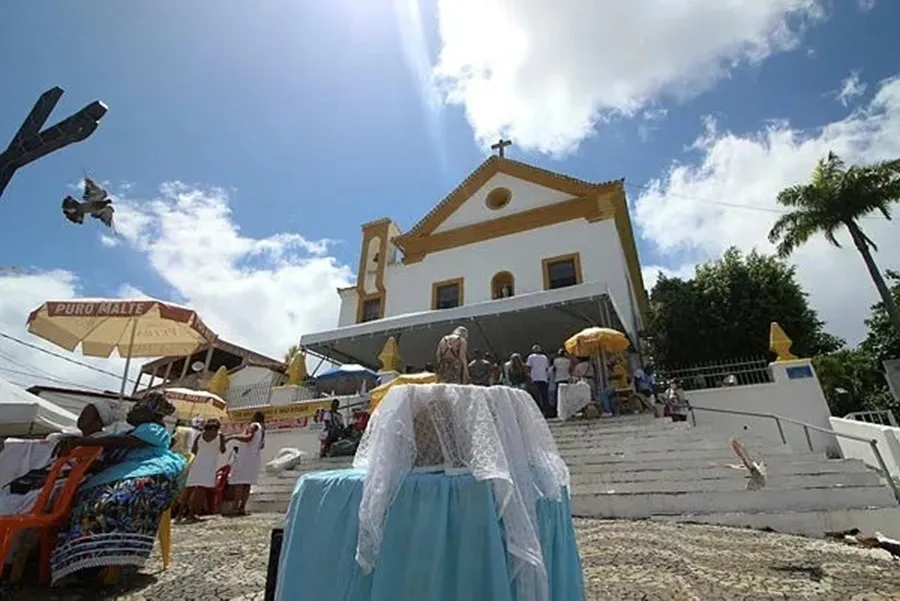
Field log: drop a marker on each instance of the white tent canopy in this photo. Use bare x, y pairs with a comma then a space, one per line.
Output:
24, 414
501, 326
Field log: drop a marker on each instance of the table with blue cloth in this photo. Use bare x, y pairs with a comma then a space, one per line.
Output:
443, 541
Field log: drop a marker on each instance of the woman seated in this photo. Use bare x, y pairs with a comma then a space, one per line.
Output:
115, 514
19, 495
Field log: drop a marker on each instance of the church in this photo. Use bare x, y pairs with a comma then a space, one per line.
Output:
518, 254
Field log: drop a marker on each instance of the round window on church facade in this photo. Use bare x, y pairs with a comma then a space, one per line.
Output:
498, 198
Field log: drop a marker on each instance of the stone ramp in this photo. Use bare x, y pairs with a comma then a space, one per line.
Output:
639, 467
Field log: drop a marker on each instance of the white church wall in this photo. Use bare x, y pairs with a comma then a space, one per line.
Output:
525, 196
602, 260
347, 314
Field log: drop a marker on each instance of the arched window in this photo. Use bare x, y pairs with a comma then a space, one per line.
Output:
503, 285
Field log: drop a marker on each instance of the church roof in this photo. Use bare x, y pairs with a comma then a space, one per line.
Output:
485, 171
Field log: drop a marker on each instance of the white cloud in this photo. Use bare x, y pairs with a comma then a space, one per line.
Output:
545, 73
866, 5
851, 89
259, 292
678, 213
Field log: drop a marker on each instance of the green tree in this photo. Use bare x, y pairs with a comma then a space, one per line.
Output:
725, 310
854, 379
883, 340
835, 198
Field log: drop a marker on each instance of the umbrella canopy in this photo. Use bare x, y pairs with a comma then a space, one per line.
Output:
379, 393
196, 403
346, 379
23, 413
350, 369
136, 328
593, 341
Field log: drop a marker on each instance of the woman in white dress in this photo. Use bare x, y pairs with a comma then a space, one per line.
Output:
208, 446
248, 462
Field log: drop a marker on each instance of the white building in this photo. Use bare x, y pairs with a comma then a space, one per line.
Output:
518, 254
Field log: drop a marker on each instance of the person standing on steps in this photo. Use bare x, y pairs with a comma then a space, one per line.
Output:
539, 365
248, 462
208, 446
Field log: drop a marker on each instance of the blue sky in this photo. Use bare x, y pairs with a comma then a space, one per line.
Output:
309, 117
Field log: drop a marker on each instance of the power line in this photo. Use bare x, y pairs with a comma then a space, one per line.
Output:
731, 205
63, 357
51, 379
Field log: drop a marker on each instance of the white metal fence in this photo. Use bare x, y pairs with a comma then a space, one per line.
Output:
737, 372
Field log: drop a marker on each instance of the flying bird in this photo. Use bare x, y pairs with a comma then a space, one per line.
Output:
757, 471
96, 203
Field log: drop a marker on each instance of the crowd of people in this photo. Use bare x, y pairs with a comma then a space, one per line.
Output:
141, 471
543, 377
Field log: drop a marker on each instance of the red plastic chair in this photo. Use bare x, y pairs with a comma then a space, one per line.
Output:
49, 511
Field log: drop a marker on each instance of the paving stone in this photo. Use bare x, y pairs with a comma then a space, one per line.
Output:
224, 559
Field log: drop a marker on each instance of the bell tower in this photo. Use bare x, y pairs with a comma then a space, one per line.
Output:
377, 252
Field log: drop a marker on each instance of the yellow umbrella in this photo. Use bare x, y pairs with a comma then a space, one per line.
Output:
594, 341
196, 403
401, 380
136, 328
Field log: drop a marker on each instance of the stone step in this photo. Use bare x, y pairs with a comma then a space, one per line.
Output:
648, 504
641, 445
640, 472
725, 479
736, 481
709, 456
806, 523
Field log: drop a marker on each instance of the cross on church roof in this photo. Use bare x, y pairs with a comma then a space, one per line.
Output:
500, 146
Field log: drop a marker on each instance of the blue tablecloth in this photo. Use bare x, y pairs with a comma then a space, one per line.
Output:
442, 542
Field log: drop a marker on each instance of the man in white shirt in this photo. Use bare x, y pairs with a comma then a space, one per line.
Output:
540, 366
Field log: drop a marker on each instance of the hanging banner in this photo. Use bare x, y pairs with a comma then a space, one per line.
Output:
284, 417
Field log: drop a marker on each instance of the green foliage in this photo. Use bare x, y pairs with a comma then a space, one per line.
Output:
853, 379
883, 341
835, 197
725, 310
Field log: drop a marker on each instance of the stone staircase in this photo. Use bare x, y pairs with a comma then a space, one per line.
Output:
639, 467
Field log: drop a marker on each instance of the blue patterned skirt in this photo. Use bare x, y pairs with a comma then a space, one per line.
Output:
113, 524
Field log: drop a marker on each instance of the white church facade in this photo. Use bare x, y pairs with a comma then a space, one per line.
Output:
516, 253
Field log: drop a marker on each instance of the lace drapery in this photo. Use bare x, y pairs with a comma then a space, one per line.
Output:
496, 433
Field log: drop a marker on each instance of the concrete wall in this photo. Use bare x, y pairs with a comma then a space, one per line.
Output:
887, 437
789, 395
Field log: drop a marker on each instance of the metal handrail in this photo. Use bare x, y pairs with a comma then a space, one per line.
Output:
873, 443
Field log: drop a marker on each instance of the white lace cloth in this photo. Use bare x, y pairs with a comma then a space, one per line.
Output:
572, 398
496, 433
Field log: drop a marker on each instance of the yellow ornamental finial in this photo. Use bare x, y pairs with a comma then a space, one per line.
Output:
296, 371
218, 384
390, 356
780, 344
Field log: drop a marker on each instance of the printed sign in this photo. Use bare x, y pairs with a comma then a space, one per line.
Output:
285, 417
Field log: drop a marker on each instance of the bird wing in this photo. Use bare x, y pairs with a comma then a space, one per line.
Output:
93, 192
73, 210
105, 215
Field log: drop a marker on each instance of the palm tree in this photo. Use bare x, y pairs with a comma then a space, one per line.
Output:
838, 197
292, 350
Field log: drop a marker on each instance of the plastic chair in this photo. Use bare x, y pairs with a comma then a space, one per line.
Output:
165, 521
49, 511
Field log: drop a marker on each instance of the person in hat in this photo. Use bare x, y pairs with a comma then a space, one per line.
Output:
116, 512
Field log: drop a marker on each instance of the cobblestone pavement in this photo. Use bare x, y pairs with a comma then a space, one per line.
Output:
225, 560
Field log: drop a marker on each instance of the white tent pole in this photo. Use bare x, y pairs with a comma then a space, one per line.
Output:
128, 359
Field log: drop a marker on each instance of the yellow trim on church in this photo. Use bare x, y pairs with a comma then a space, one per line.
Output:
590, 201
